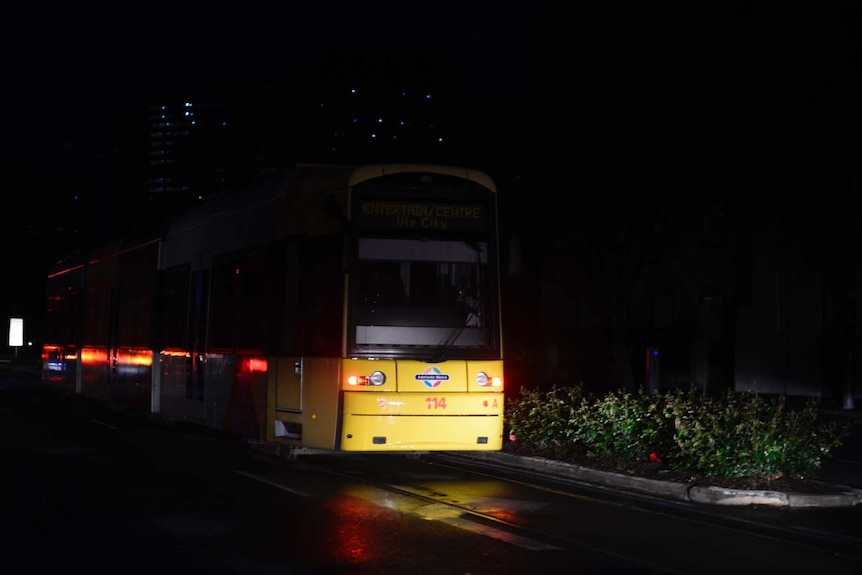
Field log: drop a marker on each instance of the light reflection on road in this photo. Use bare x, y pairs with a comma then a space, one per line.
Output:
454, 515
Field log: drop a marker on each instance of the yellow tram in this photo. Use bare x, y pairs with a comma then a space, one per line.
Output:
344, 308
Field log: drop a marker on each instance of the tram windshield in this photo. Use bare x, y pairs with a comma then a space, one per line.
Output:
410, 293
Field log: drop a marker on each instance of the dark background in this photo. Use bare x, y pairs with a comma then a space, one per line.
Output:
612, 131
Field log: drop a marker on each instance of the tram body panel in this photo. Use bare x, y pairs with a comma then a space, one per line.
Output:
431, 409
422, 421
307, 402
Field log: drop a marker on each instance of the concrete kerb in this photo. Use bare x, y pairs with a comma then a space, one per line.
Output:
722, 496
669, 489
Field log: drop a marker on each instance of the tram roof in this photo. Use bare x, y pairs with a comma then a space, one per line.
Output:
261, 211
256, 213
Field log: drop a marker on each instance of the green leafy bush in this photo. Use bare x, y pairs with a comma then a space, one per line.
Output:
736, 435
621, 423
746, 434
545, 419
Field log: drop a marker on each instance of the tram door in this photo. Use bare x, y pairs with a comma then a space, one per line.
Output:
199, 312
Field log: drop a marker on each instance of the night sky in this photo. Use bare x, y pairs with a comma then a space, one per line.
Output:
641, 96
622, 77
75, 70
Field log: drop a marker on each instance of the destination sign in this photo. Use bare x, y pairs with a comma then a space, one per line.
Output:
422, 216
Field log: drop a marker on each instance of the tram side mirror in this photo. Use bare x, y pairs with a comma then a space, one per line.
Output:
334, 211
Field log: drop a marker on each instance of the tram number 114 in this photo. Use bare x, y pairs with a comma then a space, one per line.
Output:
436, 402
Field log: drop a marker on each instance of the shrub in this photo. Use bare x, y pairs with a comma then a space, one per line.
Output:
746, 434
735, 435
621, 423
544, 419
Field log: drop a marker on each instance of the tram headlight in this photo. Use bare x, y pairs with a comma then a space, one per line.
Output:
484, 380
377, 378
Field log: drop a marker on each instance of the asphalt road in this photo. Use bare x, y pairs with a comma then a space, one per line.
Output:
106, 491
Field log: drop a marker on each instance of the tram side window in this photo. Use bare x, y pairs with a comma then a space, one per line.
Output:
321, 297
224, 304
62, 317
286, 331
240, 299
136, 290
175, 307
134, 309
98, 313
254, 301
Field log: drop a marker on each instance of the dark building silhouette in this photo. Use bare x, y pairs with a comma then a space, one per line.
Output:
185, 146
187, 151
603, 266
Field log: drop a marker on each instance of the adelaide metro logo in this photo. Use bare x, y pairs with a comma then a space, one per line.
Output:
431, 376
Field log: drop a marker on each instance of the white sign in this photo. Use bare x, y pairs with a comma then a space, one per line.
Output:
16, 332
